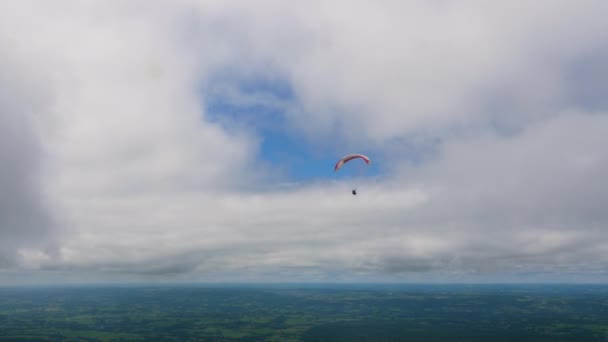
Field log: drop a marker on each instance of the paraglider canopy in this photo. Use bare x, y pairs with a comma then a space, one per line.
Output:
350, 157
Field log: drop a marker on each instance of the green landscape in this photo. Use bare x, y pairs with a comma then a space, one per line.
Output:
305, 313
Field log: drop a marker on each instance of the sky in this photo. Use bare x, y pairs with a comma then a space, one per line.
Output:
194, 141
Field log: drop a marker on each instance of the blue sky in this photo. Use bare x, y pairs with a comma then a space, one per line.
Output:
266, 103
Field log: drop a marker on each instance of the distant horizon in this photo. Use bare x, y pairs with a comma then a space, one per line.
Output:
288, 284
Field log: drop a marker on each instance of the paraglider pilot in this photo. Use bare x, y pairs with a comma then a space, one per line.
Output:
348, 158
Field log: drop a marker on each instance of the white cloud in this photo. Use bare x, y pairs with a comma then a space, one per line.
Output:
379, 70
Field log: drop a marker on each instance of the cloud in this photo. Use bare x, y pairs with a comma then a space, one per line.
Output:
486, 120
25, 219
382, 70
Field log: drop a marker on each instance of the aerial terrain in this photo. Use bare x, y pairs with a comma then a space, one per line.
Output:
318, 312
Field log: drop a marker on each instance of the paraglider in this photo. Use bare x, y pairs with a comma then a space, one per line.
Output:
348, 158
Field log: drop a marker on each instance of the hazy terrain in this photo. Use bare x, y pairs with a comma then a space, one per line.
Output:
305, 313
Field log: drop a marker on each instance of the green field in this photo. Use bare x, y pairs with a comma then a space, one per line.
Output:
305, 313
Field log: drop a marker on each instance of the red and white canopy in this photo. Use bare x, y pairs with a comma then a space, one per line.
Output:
350, 157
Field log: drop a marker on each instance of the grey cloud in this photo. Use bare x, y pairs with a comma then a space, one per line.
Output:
151, 268
25, 217
405, 265
587, 77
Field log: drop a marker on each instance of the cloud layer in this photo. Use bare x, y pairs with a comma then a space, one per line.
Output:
487, 120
